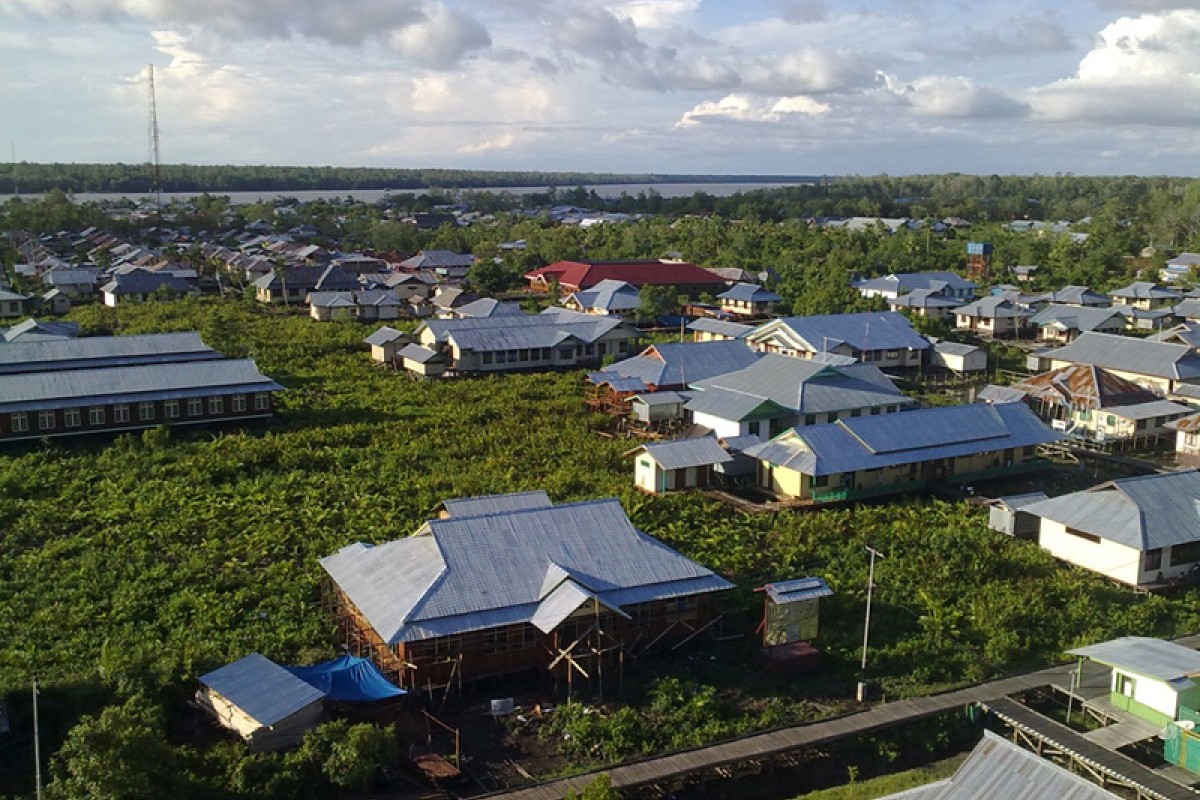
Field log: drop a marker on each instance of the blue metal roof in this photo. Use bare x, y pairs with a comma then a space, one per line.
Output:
91, 352
905, 282
496, 503
907, 437
470, 573
1129, 354
749, 293
882, 330
734, 330
684, 453
267, 692
797, 590
678, 364
34, 391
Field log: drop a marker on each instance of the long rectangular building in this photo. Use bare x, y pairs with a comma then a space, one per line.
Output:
96, 352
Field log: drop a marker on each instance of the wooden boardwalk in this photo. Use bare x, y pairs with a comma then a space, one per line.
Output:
663, 769
1106, 763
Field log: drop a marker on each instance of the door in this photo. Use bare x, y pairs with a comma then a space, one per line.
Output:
1124, 690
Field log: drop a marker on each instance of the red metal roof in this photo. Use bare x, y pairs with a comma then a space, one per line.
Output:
578, 275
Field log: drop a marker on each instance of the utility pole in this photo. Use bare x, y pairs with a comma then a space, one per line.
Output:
37, 744
154, 157
862, 684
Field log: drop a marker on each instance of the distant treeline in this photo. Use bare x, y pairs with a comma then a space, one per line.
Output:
31, 178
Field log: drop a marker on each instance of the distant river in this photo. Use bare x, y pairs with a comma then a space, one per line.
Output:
371, 195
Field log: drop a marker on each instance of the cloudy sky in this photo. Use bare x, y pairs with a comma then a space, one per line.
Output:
712, 86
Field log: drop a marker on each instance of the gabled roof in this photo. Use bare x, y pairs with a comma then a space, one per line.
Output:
419, 353
1128, 354
907, 437
802, 386
310, 279
925, 298
1155, 658
797, 590
265, 691
749, 293
993, 307
682, 363
31, 391
102, 351
905, 282
1076, 318
516, 331
471, 573
144, 282
430, 259
1184, 333
1145, 290
881, 330
384, 335
30, 330
734, 330
1084, 386
1077, 295
609, 295
1143, 513
1188, 308
488, 307
682, 453
496, 503
586, 274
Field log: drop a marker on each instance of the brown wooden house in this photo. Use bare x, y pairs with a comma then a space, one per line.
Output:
564, 591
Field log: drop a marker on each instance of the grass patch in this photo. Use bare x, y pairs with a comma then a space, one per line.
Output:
888, 784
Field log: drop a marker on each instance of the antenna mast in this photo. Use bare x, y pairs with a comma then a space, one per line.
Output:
156, 186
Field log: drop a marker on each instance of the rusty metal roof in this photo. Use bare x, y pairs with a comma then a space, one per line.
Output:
1085, 386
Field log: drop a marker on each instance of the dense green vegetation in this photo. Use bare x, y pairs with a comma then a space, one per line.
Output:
128, 567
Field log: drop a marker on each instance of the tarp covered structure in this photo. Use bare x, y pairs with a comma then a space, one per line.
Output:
348, 679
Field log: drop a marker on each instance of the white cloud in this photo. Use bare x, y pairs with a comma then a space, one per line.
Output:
1142, 70
502, 142
954, 96
425, 30
808, 70
743, 108
654, 13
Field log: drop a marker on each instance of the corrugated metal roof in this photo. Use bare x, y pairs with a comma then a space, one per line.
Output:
999, 394
683, 453
1077, 295
616, 382
956, 348
664, 398
993, 307
1076, 318
265, 691
31, 329
496, 503
418, 353
96, 351
1016, 501
1128, 354
721, 327
1144, 512
904, 282
882, 330
1189, 424
804, 386
925, 298
749, 293
1154, 408
42, 390
797, 590
462, 574
907, 437
1000, 770
1145, 290
385, 335
609, 295
1184, 333
488, 307
516, 331
679, 364
1154, 658
1086, 387
735, 406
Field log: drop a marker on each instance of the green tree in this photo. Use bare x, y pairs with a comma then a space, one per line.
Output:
657, 300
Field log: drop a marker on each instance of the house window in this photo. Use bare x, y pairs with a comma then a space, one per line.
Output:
195, 407
239, 402
1185, 554
45, 420
72, 418
893, 354
96, 415
171, 409
856, 412
145, 412
810, 419
20, 422
820, 480
262, 401
216, 405
1152, 560
566, 352
120, 413
487, 358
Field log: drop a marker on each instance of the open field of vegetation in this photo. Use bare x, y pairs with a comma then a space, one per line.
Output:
129, 566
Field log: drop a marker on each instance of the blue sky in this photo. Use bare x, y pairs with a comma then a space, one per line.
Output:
762, 86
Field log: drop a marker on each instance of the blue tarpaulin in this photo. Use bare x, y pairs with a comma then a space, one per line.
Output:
349, 679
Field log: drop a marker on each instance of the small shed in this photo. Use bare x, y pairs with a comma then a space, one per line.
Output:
957, 357
386, 342
1005, 515
651, 407
422, 360
741, 464
671, 466
791, 610
1151, 678
261, 701
55, 301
